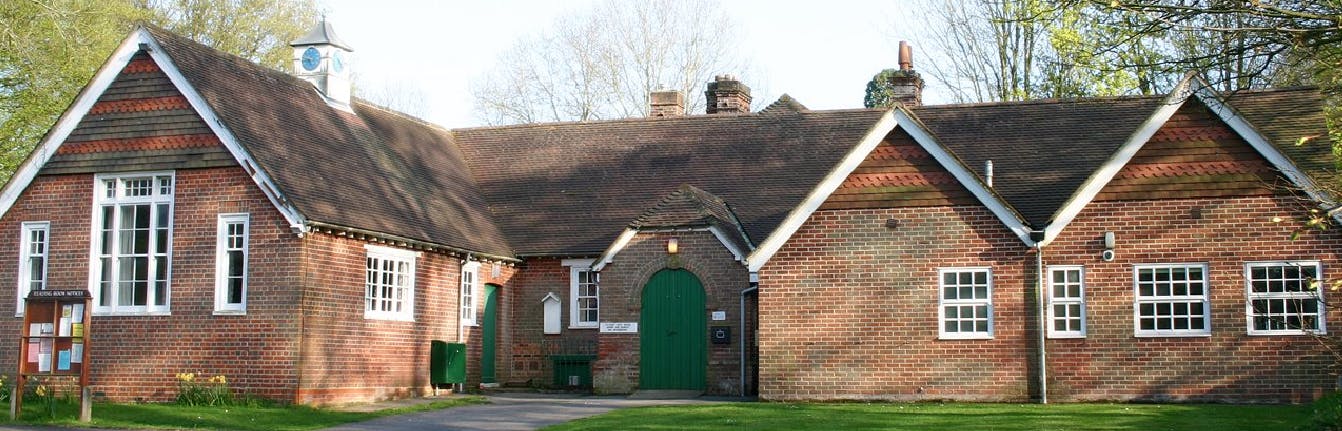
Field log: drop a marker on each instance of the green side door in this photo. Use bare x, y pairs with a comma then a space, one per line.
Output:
489, 334
673, 333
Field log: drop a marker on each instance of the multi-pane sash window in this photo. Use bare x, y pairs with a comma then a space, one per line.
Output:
1284, 298
1067, 302
389, 284
585, 291
470, 271
966, 303
231, 264
132, 236
32, 260
1171, 300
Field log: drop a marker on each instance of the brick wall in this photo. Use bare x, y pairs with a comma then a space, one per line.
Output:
346, 357
531, 347
848, 309
137, 357
1110, 363
617, 367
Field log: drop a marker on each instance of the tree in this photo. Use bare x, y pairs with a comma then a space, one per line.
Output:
1245, 44
989, 50
602, 63
49, 49
258, 30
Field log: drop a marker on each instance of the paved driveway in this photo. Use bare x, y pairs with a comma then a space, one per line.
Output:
508, 413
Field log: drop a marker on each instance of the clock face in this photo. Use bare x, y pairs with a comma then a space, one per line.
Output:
338, 62
311, 58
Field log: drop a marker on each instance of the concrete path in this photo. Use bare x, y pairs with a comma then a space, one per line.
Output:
508, 412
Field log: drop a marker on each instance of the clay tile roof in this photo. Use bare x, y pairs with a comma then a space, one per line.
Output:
692, 207
785, 103
372, 169
1042, 151
570, 188
1291, 119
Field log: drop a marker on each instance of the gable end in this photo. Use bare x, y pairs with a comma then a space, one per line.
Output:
1193, 155
141, 122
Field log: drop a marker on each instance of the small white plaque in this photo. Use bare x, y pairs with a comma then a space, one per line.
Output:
619, 327
719, 315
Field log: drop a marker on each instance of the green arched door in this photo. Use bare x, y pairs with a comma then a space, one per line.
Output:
673, 334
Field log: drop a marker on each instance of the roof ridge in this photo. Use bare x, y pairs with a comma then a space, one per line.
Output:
697, 117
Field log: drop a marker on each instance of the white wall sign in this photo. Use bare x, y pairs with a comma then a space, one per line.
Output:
719, 315
619, 327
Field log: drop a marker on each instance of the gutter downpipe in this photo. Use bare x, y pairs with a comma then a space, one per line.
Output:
754, 286
1043, 321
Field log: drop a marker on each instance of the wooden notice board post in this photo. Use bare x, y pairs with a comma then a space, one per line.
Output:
55, 343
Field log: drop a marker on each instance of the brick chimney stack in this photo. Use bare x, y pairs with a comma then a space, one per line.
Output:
666, 103
727, 95
907, 84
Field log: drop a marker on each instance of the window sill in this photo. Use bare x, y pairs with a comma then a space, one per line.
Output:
1175, 335
1286, 333
585, 327
471, 324
130, 313
1067, 336
965, 337
230, 312
387, 318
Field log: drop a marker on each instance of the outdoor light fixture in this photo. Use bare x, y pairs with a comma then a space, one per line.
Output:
672, 246
1108, 254
892, 223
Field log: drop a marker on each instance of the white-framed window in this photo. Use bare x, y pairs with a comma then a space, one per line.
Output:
1171, 300
966, 306
584, 294
1284, 298
470, 292
1066, 301
389, 283
33, 241
130, 268
230, 263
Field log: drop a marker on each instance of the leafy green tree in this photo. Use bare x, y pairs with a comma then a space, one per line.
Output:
49, 49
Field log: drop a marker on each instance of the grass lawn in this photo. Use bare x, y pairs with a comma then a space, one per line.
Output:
172, 416
953, 416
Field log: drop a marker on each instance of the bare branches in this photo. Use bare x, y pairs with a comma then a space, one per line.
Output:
602, 64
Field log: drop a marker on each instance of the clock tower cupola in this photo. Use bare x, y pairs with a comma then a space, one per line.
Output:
320, 57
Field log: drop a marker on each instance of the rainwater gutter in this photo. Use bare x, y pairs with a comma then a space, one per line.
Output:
1043, 313
754, 286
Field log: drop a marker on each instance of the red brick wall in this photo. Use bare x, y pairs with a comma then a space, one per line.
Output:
1110, 363
617, 367
349, 358
137, 357
848, 309
531, 347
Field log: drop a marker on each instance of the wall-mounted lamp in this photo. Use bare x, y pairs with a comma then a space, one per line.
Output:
672, 246
1108, 254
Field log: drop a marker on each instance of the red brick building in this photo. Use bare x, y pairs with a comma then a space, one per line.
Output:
231, 219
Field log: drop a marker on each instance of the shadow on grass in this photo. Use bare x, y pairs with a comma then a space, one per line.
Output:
172, 416
1006, 417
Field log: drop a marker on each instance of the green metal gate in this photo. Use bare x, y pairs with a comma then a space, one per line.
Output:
673, 334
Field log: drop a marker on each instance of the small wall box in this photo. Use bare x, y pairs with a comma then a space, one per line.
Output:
54, 343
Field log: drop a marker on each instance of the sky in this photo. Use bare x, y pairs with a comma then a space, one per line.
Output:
821, 53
